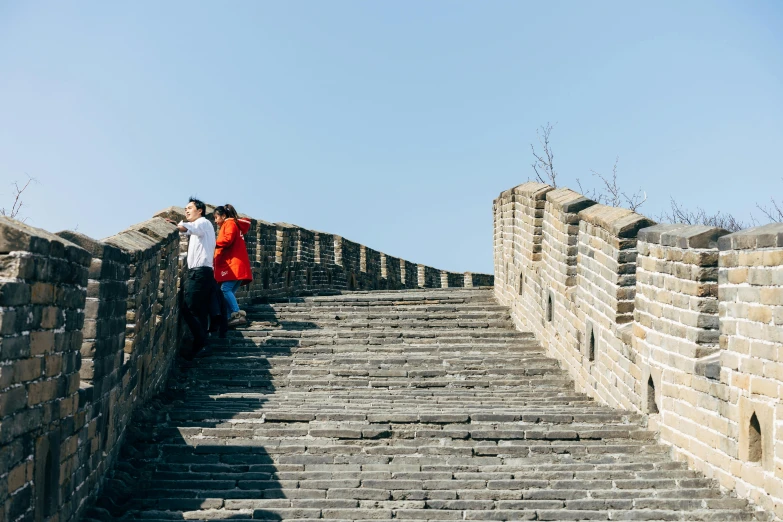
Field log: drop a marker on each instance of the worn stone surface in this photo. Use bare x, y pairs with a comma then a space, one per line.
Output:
417, 405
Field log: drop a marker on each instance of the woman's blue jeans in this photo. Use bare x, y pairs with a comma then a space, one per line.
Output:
229, 289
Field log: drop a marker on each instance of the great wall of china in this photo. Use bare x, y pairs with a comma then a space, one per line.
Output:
403, 391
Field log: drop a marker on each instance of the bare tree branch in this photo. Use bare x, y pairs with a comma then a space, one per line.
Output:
18, 202
678, 214
543, 166
774, 212
590, 193
611, 194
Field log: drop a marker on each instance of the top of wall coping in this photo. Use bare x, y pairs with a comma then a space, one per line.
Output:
322, 233
172, 213
682, 236
18, 236
132, 242
532, 189
767, 236
621, 222
566, 200
157, 228
96, 248
282, 224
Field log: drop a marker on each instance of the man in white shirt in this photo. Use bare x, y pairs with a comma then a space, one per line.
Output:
199, 286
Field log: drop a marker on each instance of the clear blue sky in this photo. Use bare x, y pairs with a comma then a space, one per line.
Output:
394, 124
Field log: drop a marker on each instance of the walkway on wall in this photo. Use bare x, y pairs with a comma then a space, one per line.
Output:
417, 404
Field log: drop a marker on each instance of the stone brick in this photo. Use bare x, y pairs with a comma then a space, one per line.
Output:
14, 293
14, 347
43, 391
17, 477
12, 400
27, 370
42, 293
41, 342
51, 317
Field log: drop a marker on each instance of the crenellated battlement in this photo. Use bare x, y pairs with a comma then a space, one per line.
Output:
684, 323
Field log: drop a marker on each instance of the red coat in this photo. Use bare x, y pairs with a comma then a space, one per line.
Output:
231, 260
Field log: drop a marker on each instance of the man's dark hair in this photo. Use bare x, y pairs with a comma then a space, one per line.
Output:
199, 205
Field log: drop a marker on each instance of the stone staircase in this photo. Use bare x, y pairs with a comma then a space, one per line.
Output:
398, 405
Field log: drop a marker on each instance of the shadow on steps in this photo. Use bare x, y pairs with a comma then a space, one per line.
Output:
182, 453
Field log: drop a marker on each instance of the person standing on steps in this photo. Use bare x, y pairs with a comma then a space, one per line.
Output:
199, 285
232, 264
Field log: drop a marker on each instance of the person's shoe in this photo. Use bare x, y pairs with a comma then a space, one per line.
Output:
243, 313
236, 319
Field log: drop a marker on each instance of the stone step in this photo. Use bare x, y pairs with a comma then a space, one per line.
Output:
451, 334
341, 313
276, 347
449, 297
418, 515
349, 367
340, 317
343, 384
291, 412
430, 295
505, 376
310, 477
495, 440
243, 351
479, 310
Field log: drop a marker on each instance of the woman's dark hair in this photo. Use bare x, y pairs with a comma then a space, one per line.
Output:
227, 211
199, 205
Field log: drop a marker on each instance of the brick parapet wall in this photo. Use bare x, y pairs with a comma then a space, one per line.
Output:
750, 303
684, 323
42, 301
89, 331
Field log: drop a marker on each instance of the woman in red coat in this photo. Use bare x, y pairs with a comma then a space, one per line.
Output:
232, 264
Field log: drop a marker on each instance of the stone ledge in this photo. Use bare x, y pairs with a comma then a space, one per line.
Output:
767, 236
531, 189
156, 228
619, 221
566, 200
133, 242
18, 236
94, 247
282, 224
682, 236
173, 213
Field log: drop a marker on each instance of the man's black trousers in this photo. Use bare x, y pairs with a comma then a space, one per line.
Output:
198, 293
